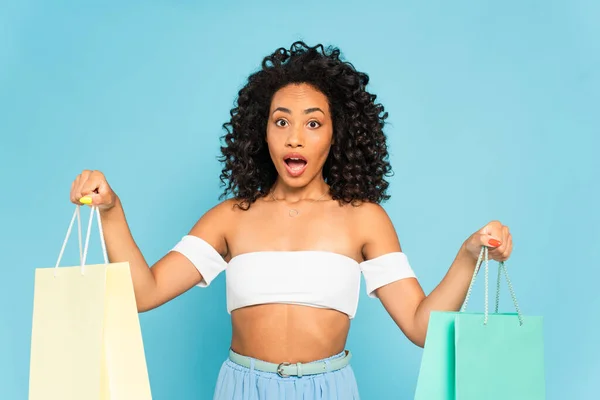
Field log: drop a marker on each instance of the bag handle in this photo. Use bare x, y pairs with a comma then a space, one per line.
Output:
483, 256
82, 252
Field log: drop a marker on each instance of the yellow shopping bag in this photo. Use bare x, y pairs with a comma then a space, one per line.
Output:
86, 342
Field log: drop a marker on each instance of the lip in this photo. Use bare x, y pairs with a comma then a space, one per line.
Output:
294, 155
295, 172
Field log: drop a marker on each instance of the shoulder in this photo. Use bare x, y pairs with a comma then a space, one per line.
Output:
219, 222
222, 211
378, 233
368, 209
213, 225
369, 215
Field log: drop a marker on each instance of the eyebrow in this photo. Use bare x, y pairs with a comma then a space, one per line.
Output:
307, 111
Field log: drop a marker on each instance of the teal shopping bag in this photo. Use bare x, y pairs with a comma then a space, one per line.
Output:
481, 355
436, 377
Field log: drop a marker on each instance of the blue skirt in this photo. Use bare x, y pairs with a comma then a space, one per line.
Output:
236, 382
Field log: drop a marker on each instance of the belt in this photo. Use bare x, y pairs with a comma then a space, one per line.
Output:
286, 369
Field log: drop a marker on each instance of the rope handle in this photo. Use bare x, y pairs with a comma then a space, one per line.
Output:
82, 251
483, 257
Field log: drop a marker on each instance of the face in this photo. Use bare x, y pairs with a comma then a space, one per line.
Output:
299, 133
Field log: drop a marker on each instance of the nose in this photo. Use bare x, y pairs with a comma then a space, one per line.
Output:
295, 137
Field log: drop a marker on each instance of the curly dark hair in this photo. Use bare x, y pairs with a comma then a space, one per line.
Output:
357, 163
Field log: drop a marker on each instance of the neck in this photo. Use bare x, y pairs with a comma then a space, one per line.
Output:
314, 190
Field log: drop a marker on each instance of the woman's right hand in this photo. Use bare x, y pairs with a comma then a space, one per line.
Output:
94, 185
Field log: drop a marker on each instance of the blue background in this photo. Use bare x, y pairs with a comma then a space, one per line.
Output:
493, 115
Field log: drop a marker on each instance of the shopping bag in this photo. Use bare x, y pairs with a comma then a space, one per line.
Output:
483, 355
86, 340
436, 375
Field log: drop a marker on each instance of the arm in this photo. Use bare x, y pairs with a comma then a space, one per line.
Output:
121, 247
174, 273
404, 299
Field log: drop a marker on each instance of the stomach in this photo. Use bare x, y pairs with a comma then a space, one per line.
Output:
288, 333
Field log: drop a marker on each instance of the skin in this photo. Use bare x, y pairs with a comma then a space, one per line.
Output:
284, 332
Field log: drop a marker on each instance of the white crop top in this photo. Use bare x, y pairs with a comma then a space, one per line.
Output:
308, 277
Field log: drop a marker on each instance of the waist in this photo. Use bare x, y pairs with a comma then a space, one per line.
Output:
286, 369
287, 332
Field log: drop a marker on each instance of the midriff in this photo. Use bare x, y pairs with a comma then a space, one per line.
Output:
288, 333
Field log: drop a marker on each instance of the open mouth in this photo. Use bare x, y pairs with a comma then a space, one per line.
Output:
295, 164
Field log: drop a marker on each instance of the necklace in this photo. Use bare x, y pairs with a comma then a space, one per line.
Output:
293, 212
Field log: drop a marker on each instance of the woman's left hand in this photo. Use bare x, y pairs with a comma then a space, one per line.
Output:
496, 237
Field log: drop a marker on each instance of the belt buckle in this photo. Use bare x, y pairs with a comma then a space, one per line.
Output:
280, 369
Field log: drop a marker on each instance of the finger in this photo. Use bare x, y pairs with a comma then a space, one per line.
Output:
508, 251
91, 184
103, 193
76, 193
97, 189
503, 252
493, 235
72, 191
491, 240
491, 227
504, 239
86, 180
506, 233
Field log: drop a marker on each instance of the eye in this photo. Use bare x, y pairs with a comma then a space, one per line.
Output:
313, 124
281, 123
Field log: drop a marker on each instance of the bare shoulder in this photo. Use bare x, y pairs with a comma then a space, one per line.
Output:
378, 234
369, 216
367, 209
219, 213
213, 225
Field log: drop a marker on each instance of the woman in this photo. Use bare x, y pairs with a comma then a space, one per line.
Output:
305, 161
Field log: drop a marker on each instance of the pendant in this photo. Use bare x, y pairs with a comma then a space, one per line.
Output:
293, 212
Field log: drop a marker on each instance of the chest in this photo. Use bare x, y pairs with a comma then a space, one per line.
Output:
325, 227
